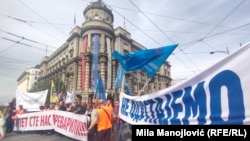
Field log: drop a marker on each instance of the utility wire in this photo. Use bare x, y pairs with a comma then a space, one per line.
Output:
153, 22
16, 42
134, 25
224, 18
146, 34
202, 39
37, 22
25, 38
164, 34
169, 17
9, 68
15, 60
26, 22
41, 16
19, 42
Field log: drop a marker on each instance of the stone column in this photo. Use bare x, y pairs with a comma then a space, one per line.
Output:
114, 71
89, 46
63, 76
103, 62
87, 56
79, 76
87, 70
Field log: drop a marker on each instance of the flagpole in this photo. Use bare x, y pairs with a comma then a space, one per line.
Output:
113, 90
145, 84
122, 86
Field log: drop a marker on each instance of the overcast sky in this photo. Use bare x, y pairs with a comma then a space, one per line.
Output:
28, 27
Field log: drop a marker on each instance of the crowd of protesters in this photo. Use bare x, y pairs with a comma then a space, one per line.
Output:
8, 116
102, 116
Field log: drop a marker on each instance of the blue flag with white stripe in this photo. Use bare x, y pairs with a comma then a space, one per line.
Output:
149, 60
94, 74
153, 66
119, 79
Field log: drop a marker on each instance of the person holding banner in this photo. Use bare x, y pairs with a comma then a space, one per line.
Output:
19, 111
62, 106
83, 107
118, 123
103, 121
76, 107
51, 108
92, 133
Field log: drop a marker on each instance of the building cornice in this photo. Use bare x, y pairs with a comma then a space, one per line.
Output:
73, 36
94, 27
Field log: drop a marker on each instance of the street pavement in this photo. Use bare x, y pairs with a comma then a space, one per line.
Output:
29, 136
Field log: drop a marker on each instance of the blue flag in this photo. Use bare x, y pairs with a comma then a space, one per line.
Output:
149, 60
100, 91
94, 74
119, 78
152, 67
126, 88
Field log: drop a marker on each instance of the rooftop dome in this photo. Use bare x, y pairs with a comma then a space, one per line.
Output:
98, 5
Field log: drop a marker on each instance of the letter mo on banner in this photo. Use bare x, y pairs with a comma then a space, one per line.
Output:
218, 95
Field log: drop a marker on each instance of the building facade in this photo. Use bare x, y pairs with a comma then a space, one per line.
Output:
90, 47
27, 79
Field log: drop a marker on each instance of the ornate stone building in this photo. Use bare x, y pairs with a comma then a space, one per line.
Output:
27, 79
94, 42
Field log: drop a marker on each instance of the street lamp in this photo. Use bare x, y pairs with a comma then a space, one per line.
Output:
226, 52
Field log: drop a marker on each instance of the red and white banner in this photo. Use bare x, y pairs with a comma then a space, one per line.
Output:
66, 123
34, 121
71, 125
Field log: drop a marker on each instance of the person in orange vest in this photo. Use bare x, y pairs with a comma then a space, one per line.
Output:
19, 111
103, 121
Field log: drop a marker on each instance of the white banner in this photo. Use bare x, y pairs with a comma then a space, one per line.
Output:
218, 95
31, 101
70, 98
67, 123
